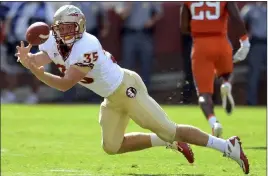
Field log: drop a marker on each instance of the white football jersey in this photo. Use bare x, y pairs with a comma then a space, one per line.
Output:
105, 75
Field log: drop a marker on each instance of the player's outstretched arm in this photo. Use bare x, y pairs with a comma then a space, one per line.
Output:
185, 19
72, 76
39, 59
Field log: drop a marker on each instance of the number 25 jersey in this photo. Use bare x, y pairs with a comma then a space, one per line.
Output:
208, 18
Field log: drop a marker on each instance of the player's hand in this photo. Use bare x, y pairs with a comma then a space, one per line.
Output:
22, 51
242, 53
23, 54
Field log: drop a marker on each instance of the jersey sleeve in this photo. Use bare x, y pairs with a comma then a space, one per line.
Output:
48, 46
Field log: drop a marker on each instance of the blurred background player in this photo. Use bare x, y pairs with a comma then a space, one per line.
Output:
212, 51
139, 19
17, 20
255, 18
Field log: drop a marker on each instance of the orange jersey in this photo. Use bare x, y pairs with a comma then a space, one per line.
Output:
208, 18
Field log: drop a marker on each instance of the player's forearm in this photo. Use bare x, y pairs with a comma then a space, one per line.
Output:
40, 58
54, 81
241, 26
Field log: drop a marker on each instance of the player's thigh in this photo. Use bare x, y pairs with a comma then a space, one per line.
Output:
113, 125
148, 114
224, 63
134, 80
203, 71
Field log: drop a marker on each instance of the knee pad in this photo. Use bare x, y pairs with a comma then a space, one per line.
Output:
111, 148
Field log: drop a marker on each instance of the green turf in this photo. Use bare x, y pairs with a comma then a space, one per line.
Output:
48, 140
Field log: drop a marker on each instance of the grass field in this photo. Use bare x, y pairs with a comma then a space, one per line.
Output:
59, 140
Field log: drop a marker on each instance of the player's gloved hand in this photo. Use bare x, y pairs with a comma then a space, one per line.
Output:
242, 53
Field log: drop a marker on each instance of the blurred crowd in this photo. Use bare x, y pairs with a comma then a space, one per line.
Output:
137, 41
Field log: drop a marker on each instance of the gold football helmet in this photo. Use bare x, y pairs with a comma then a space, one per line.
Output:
69, 24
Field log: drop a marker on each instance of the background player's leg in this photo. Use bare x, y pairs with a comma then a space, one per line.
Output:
129, 43
203, 72
224, 68
146, 56
256, 60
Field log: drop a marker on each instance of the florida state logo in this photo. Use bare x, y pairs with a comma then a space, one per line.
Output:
131, 92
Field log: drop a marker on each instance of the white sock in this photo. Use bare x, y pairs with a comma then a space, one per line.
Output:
216, 143
212, 120
156, 141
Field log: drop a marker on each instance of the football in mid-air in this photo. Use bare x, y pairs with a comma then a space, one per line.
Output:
37, 33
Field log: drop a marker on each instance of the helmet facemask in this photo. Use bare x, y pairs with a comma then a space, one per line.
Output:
68, 32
